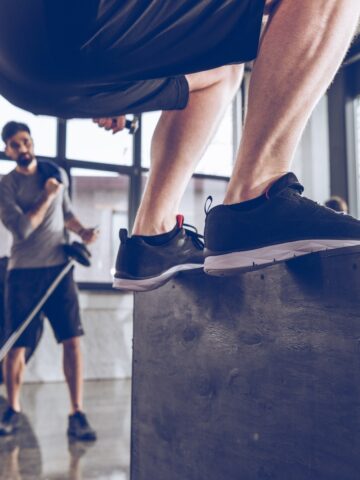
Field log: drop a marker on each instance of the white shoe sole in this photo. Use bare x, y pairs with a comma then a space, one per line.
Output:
230, 263
146, 284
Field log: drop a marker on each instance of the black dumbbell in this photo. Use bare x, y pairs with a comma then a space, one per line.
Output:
131, 125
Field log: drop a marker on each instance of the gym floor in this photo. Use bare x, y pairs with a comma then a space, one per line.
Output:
41, 451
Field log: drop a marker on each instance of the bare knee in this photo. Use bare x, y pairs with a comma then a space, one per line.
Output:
71, 345
228, 74
14, 365
15, 356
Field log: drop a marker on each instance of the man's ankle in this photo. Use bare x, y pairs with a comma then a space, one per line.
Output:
154, 227
250, 190
16, 408
74, 411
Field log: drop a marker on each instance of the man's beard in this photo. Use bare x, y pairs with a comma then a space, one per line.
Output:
24, 161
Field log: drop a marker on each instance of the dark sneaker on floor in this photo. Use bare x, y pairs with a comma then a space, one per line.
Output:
79, 428
277, 226
144, 264
10, 422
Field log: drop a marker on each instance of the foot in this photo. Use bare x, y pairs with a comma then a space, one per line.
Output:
79, 428
142, 265
10, 422
272, 228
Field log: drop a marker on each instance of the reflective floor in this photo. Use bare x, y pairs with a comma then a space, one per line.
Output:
41, 450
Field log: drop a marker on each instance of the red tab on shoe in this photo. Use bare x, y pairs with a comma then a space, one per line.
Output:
180, 220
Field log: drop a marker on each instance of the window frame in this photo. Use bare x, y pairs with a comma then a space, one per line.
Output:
341, 96
134, 171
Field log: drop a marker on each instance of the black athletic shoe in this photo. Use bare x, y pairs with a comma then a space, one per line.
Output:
142, 265
277, 226
10, 422
79, 428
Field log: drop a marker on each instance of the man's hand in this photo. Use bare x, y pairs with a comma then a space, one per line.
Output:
116, 124
89, 235
52, 187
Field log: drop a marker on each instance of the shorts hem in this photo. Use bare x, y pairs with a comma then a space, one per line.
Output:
68, 337
183, 93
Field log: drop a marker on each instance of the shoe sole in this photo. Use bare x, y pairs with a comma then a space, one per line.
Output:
146, 284
235, 262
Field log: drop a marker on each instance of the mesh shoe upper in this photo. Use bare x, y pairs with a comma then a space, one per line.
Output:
281, 216
139, 259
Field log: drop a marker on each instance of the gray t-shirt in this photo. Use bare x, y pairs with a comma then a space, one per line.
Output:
42, 246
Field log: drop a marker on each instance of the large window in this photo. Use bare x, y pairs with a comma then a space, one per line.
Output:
218, 158
43, 129
193, 202
86, 141
100, 166
357, 123
5, 237
357, 151
107, 174
100, 200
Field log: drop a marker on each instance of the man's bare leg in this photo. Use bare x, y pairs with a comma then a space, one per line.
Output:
180, 139
14, 367
73, 370
300, 53
79, 427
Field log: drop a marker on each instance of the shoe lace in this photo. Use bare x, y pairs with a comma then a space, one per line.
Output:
197, 239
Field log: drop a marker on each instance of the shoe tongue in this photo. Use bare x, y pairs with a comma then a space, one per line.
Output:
289, 180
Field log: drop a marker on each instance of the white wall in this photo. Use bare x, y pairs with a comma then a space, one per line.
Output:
107, 344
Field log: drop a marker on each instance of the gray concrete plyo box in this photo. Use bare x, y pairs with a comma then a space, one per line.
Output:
251, 377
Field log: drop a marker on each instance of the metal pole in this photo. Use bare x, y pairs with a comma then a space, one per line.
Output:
16, 334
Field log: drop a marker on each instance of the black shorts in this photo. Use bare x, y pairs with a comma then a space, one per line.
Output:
25, 287
91, 58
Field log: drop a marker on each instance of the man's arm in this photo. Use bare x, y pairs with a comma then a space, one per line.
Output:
87, 235
22, 224
37, 213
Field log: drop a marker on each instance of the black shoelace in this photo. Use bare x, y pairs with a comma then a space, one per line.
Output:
197, 239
